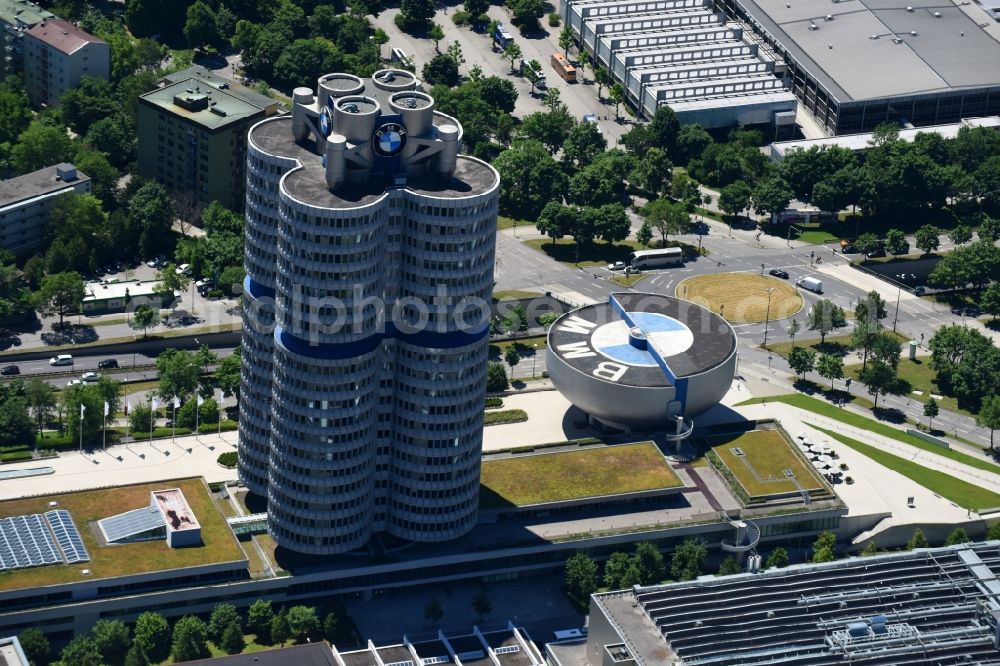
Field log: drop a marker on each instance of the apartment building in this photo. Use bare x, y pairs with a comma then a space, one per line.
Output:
57, 54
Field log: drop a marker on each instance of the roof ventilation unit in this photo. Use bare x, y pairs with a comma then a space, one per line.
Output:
813, 26
913, 33
828, 17
937, 14
897, 40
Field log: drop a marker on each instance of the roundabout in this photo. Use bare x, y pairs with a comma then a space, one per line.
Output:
742, 298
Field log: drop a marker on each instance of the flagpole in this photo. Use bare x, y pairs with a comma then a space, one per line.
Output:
104, 432
83, 408
173, 422
152, 411
218, 407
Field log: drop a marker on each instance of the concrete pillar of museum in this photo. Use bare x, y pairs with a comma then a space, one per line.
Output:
336, 162
301, 98
448, 157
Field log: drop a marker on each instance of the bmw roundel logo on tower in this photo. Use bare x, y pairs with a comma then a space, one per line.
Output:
389, 139
325, 124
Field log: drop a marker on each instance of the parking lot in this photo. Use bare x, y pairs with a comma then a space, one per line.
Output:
477, 49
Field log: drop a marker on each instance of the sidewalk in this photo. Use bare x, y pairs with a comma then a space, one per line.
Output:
138, 462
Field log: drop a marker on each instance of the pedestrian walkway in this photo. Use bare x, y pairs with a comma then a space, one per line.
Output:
138, 462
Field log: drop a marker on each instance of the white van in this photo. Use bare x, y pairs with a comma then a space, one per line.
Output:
62, 359
811, 283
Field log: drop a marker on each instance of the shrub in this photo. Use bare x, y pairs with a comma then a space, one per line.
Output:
461, 17
228, 459
506, 416
494, 402
555, 19
15, 456
209, 428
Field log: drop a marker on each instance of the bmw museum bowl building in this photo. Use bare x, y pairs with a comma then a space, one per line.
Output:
369, 259
642, 361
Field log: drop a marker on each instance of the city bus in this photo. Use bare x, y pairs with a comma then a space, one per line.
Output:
668, 256
561, 65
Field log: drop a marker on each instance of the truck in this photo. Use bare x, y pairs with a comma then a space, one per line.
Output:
811, 283
501, 37
532, 70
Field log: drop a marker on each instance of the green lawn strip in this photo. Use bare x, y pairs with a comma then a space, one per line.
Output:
514, 294
553, 477
504, 416
628, 280
817, 237
597, 253
834, 344
769, 454
821, 408
221, 328
920, 376
504, 222
962, 493
524, 346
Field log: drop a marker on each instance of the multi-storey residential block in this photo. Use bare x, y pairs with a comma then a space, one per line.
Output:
57, 54
27, 201
16, 16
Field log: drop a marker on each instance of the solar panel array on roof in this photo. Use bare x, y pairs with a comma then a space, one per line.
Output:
131, 525
67, 535
26, 542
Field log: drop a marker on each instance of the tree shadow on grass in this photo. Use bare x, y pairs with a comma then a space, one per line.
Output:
890, 414
69, 334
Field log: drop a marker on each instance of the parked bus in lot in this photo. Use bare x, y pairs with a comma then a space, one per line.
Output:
561, 65
501, 37
668, 256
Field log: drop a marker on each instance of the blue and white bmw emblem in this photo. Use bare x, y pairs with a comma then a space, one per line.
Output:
324, 122
389, 139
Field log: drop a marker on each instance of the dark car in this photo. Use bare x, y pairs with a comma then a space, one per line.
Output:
10, 370
107, 363
778, 273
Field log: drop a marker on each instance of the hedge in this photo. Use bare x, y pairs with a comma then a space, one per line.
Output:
209, 428
228, 459
15, 456
506, 416
494, 402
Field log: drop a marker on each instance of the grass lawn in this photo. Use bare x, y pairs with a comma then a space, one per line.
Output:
917, 375
962, 493
514, 294
595, 254
107, 322
742, 295
140, 387
554, 477
769, 454
821, 408
509, 222
817, 237
710, 214
505, 416
219, 544
525, 347
835, 344
628, 280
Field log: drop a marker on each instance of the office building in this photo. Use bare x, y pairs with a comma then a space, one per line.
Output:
369, 257
192, 135
927, 606
686, 55
16, 16
57, 54
855, 64
26, 203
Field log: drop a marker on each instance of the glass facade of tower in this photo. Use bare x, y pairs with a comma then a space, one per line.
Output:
369, 257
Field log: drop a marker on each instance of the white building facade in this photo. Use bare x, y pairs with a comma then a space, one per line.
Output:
369, 257
26, 204
57, 55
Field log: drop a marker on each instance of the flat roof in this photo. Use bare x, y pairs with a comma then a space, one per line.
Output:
37, 183
175, 510
857, 142
920, 606
873, 49
248, 95
63, 35
224, 108
103, 292
14, 12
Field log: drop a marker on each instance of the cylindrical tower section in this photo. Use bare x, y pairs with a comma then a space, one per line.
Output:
330, 264
417, 110
448, 158
437, 446
322, 472
337, 85
394, 80
354, 117
301, 98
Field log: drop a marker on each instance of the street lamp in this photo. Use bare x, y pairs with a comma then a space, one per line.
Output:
899, 292
534, 355
767, 316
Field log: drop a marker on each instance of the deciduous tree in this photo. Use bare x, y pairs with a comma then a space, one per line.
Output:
60, 294
688, 561
801, 360
581, 580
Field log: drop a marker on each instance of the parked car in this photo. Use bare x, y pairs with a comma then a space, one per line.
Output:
107, 363
778, 273
632, 270
10, 370
90, 377
61, 359
919, 291
156, 262
617, 266
73, 382
183, 269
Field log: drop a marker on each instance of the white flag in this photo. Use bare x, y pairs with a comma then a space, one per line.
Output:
128, 407
177, 402
83, 408
201, 401
154, 404
107, 408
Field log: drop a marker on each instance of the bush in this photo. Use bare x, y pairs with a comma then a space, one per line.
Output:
494, 403
228, 459
209, 428
506, 416
56, 442
555, 19
15, 456
496, 378
159, 433
461, 17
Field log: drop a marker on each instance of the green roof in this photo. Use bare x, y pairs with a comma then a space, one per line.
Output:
222, 108
21, 11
